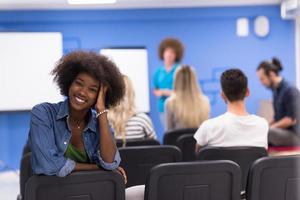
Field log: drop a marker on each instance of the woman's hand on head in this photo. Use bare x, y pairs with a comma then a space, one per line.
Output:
100, 104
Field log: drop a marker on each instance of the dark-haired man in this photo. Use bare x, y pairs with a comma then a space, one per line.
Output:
285, 127
236, 127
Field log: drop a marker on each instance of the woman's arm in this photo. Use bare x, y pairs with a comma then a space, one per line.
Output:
107, 145
162, 92
85, 167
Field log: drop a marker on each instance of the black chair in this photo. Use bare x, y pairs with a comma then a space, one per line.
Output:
25, 174
170, 137
131, 143
275, 178
243, 156
207, 180
186, 143
138, 161
77, 186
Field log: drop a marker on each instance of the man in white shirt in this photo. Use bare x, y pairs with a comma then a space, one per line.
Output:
236, 127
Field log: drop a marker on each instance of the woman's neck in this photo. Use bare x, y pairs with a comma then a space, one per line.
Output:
77, 116
168, 66
237, 107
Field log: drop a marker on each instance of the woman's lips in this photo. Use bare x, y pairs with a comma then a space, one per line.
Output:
80, 100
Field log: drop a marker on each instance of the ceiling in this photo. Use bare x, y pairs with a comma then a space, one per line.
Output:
62, 4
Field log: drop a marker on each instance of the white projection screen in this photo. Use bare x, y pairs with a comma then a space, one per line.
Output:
26, 60
133, 62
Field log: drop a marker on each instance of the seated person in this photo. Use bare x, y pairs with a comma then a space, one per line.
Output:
187, 107
126, 121
70, 136
285, 128
236, 127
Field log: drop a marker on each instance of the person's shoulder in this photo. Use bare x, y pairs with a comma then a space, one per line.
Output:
204, 98
169, 101
46, 107
260, 120
213, 122
291, 89
141, 115
218, 119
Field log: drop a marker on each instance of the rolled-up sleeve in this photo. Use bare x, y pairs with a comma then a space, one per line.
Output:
67, 168
108, 166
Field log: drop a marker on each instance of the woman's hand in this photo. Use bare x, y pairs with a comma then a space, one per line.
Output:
162, 92
100, 104
121, 171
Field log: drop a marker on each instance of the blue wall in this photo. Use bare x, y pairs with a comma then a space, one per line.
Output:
209, 35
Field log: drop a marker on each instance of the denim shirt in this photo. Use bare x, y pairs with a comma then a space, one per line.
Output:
50, 135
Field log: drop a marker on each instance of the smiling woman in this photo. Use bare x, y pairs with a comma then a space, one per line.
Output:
70, 135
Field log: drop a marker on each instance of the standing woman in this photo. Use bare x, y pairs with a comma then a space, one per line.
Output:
170, 52
187, 107
70, 135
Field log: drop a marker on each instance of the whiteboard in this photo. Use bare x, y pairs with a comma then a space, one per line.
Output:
134, 64
26, 60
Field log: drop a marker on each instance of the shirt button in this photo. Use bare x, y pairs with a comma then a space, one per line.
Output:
65, 143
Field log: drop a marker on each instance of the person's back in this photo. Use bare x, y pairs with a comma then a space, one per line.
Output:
187, 107
139, 126
127, 123
236, 127
229, 130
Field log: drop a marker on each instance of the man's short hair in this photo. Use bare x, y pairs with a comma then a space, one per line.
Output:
234, 84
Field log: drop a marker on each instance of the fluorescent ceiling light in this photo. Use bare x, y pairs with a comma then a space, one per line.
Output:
79, 2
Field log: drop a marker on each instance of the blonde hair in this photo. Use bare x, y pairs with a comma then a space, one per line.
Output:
190, 106
120, 114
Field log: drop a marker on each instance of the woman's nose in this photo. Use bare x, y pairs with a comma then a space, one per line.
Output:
83, 92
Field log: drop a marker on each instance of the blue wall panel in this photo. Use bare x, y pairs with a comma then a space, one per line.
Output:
209, 35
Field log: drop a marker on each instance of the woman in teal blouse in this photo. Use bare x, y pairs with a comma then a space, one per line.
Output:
170, 52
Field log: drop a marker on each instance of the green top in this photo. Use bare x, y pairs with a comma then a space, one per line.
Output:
76, 154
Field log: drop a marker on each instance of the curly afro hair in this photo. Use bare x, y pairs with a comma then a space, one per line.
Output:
98, 66
174, 44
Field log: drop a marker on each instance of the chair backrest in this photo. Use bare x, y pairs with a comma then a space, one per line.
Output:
207, 180
138, 161
89, 185
25, 172
186, 143
274, 178
132, 143
170, 137
243, 156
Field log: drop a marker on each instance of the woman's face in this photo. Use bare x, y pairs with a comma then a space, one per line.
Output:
83, 92
169, 56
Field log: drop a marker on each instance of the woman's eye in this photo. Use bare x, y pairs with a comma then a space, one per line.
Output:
78, 83
93, 90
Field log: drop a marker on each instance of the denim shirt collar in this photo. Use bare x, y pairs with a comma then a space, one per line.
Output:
63, 113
